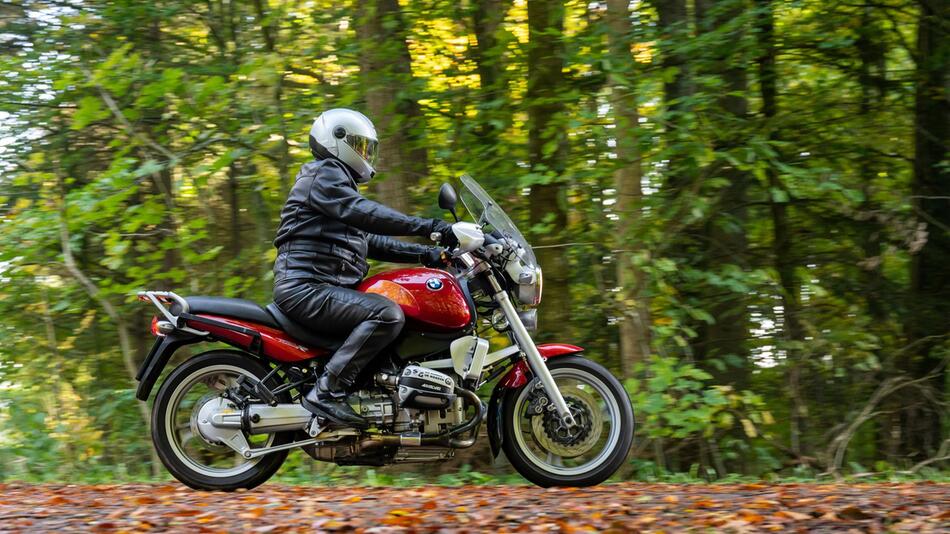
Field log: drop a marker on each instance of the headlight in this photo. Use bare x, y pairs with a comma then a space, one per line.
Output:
540, 286
529, 287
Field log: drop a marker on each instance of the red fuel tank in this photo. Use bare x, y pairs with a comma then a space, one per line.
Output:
431, 299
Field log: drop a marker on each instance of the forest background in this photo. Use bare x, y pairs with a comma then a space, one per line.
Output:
743, 205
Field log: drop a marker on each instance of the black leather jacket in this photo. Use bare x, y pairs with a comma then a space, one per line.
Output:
327, 229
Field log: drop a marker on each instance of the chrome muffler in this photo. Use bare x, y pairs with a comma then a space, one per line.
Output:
263, 419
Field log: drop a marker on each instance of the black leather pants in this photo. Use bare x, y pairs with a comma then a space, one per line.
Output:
372, 321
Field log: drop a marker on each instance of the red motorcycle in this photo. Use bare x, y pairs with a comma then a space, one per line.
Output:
227, 418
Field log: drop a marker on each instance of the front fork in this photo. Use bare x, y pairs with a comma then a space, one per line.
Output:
535, 361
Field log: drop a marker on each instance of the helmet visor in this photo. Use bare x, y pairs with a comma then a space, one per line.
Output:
367, 148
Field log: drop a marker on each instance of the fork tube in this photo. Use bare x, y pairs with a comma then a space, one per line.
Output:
535, 361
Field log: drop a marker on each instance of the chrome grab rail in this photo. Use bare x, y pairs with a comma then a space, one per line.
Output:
158, 297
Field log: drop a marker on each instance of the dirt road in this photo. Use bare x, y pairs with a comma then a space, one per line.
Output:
627, 507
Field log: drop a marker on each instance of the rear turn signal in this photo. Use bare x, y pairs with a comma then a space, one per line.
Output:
155, 330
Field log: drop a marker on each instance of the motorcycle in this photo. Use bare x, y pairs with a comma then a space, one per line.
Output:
226, 419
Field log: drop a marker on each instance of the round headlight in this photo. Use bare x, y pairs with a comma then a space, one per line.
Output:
529, 287
537, 299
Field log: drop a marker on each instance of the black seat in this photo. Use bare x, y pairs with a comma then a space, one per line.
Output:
302, 334
228, 307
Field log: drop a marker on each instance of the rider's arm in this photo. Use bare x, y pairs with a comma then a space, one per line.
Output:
393, 250
334, 194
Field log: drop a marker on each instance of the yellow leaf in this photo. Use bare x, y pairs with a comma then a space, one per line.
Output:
749, 428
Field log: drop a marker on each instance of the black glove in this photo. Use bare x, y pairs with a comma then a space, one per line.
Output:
448, 239
433, 257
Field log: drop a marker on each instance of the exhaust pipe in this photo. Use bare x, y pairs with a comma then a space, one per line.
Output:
264, 419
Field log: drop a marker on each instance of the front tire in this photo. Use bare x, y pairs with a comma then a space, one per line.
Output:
187, 456
587, 455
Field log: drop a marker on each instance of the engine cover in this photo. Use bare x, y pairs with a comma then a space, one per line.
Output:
419, 387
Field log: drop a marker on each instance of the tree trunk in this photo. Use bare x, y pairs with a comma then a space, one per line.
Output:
486, 155
673, 25
487, 16
930, 277
725, 232
782, 239
386, 70
872, 79
634, 309
547, 147
269, 34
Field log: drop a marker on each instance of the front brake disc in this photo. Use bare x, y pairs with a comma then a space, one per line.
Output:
570, 443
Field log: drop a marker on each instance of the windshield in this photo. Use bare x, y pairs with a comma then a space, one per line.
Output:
479, 204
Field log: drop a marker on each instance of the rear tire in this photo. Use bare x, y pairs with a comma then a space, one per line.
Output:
528, 462
166, 432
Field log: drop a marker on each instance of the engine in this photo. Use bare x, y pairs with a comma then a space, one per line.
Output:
418, 400
418, 387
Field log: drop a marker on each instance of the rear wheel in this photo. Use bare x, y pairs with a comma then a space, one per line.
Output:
549, 454
190, 457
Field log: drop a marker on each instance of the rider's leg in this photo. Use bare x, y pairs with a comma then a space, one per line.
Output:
373, 322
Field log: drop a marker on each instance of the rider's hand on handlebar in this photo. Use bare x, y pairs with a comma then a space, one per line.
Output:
435, 257
447, 237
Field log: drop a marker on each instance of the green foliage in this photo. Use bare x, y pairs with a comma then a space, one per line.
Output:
154, 145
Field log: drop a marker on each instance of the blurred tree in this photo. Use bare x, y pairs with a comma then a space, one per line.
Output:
741, 204
634, 306
386, 67
923, 425
547, 148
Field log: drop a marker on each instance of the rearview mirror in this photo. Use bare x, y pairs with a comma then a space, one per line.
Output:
448, 199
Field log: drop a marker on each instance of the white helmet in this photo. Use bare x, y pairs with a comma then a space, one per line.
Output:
348, 136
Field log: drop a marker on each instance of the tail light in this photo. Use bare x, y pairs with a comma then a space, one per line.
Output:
161, 328
155, 330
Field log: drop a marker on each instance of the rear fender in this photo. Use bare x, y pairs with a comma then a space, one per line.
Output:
516, 377
158, 357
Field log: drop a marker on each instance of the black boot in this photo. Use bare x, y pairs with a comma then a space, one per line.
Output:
328, 399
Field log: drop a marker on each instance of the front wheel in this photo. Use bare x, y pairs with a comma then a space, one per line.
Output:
588, 453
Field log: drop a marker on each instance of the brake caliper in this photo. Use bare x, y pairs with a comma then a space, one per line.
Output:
558, 432
538, 401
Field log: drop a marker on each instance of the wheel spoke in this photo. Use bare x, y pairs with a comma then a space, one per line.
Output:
186, 436
219, 381
550, 446
205, 385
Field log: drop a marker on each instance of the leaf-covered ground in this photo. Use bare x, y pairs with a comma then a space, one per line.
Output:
619, 508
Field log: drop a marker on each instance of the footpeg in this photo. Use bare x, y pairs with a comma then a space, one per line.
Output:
315, 427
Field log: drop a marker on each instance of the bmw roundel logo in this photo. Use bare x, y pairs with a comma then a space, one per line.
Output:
434, 284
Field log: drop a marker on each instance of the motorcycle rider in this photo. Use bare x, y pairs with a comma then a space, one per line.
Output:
327, 230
